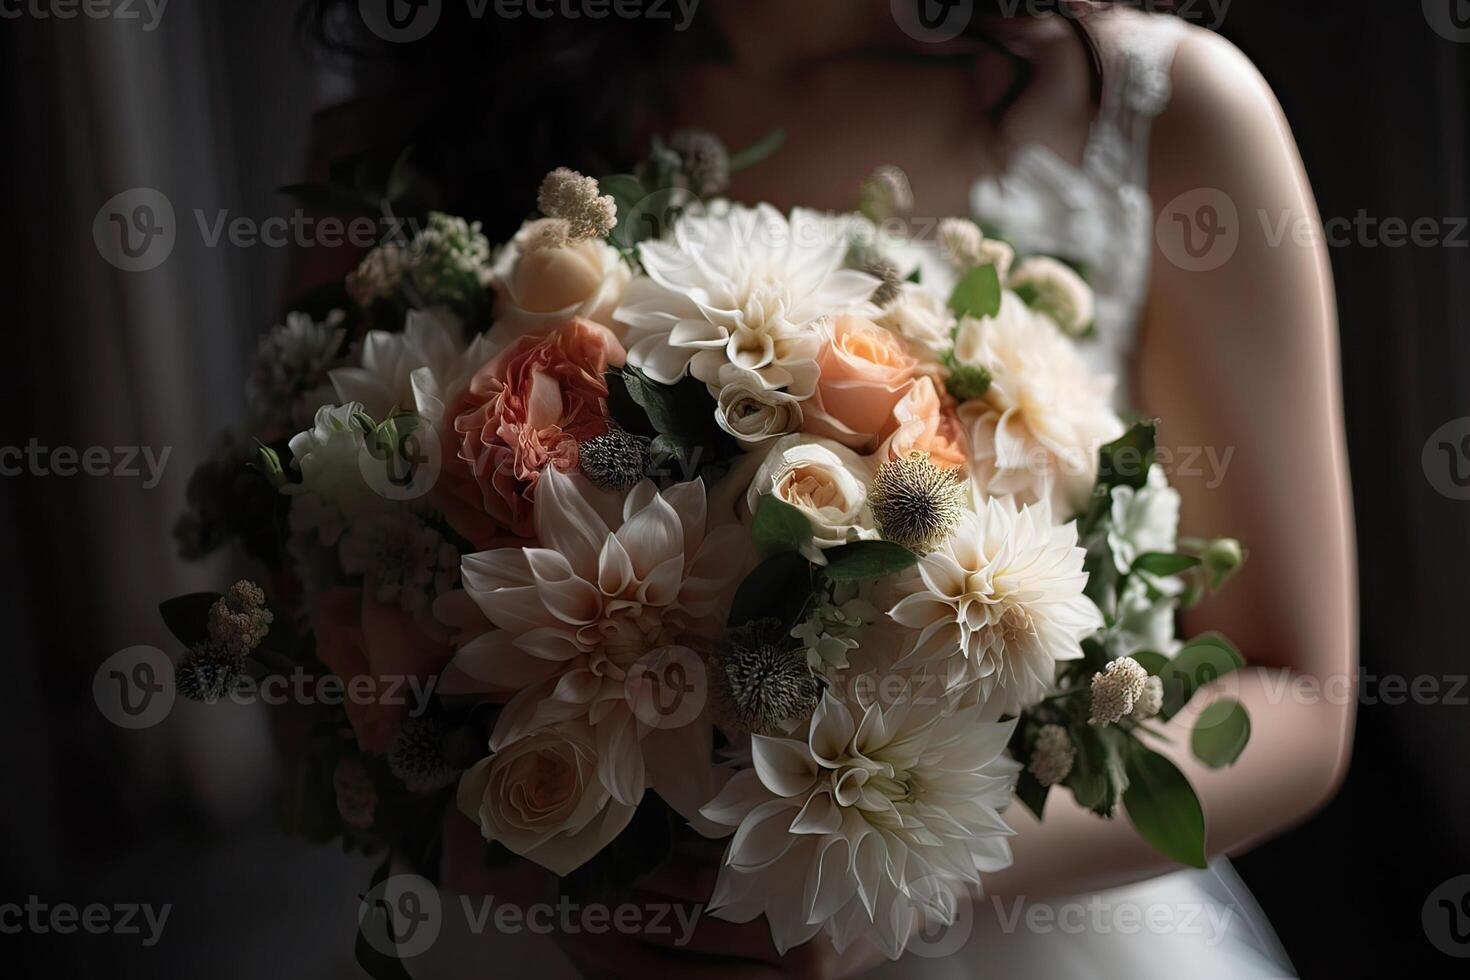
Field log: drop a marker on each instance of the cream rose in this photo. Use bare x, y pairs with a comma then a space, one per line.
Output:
865, 371
750, 411
824, 480
540, 796
538, 284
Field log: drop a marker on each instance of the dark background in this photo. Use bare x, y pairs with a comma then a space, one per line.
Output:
223, 95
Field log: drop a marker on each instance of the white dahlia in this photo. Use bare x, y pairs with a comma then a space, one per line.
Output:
382, 381
743, 286
1037, 430
999, 603
615, 586
856, 828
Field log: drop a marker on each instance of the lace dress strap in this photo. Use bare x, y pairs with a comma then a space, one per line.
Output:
1136, 52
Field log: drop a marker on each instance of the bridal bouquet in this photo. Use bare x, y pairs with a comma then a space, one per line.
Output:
674, 516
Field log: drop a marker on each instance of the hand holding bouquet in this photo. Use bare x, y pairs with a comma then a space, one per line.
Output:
693, 518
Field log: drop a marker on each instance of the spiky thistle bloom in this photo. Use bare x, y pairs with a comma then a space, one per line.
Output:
705, 160
761, 682
417, 756
890, 281
208, 673
1052, 755
1116, 689
239, 620
1150, 701
616, 460
915, 503
574, 198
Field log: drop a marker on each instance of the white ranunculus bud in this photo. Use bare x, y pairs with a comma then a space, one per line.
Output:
961, 239
1052, 755
1116, 690
750, 411
1150, 701
1055, 288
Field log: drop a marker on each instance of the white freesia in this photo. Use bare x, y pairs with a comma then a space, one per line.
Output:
750, 411
540, 797
1037, 431
539, 285
382, 381
857, 829
1142, 622
614, 582
999, 603
1143, 520
743, 286
824, 480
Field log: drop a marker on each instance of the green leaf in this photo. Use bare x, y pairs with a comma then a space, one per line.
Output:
1163, 563
187, 616
757, 151
1221, 733
977, 294
1098, 778
1031, 793
1201, 660
867, 560
779, 587
1164, 807
1126, 460
779, 526
1151, 661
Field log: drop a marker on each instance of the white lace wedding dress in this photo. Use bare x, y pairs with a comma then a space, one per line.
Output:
1194, 924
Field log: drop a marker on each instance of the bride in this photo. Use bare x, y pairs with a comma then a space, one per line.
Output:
1155, 154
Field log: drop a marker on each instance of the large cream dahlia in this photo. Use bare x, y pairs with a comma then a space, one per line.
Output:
1036, 432
855, 828
383, 381
743, 286
999, 603
615, 584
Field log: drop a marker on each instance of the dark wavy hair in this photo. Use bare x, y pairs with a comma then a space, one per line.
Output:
576, 92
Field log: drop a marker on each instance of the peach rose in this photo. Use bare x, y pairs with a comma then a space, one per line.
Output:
541, 798
865, 371
925, 422
539, 285
526, 409
357, 636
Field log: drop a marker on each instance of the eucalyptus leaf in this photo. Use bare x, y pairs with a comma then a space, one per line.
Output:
977, 294
867, 560
757, 151
375, 962
1220, 733
779, 587
1031, 793
1202, 660
1151, 660
1099, 775
1164, 807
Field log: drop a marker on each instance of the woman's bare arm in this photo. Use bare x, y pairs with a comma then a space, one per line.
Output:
1240, 363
